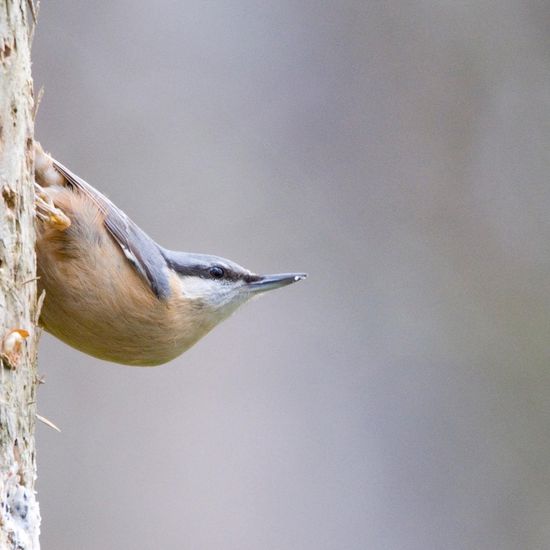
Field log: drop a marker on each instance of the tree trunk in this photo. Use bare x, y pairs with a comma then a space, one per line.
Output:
19, 512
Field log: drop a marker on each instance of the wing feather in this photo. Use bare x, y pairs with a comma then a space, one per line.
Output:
141, 251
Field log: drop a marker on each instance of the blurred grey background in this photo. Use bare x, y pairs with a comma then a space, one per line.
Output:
399, 153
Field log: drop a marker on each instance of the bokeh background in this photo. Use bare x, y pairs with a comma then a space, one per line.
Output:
399, 153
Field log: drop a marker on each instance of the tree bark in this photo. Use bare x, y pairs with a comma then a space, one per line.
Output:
19, 512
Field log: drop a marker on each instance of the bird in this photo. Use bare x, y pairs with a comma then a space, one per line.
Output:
111, 291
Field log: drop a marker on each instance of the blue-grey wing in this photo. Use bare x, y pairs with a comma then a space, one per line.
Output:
141, 251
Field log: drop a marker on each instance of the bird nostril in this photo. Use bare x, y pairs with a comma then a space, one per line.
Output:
251, 278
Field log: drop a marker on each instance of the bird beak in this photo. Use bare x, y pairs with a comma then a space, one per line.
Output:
271, 282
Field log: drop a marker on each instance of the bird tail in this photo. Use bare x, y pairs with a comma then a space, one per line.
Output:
45, 173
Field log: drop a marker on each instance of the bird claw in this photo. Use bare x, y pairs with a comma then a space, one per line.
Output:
47, 212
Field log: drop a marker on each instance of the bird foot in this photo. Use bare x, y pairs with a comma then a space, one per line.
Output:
47, 212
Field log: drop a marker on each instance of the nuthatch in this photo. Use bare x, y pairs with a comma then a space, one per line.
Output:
112, 291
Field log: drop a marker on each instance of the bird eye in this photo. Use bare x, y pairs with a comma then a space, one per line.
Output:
216, 272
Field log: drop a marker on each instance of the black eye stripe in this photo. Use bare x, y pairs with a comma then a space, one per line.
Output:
198, 270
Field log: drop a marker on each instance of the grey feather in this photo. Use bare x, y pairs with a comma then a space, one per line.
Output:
142, 251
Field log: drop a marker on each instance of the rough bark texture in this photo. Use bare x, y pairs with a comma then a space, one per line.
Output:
19, 513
